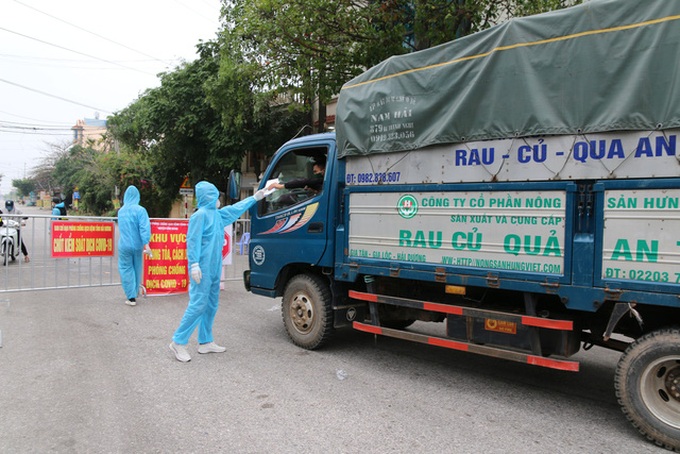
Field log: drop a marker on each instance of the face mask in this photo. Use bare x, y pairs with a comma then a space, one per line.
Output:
217, 204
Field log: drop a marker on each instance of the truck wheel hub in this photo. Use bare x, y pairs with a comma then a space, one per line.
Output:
673, 383
302, 313
660, 383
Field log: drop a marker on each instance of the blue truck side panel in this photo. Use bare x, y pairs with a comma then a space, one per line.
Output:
580, 285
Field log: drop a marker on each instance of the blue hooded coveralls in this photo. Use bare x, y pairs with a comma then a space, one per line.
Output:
56, 211
135, 232
205, 239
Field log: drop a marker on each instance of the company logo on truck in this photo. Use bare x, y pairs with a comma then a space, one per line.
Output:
407, 206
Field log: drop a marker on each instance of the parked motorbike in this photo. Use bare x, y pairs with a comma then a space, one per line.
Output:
9, 241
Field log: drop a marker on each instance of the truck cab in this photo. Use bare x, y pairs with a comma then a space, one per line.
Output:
302, 215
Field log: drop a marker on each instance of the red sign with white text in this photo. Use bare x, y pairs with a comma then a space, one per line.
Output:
227, 246
166, 272
82, 239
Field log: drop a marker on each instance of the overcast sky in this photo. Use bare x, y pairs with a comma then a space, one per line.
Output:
65, 60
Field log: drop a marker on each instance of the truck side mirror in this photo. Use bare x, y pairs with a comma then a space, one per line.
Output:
234, 186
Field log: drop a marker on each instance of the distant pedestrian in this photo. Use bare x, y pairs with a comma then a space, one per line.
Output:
135, 233
58, 207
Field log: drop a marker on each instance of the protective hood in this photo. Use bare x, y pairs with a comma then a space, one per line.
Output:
131, 196
206, 194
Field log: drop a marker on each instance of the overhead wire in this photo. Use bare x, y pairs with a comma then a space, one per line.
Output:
73, 60
92, 33
53, 96
47, 62
33, 119
75, 51
43, 129
22, 126
37, 133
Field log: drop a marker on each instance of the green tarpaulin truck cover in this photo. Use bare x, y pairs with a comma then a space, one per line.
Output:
605, 65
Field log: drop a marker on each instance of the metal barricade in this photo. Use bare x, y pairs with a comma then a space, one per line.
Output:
240, 251
45, 272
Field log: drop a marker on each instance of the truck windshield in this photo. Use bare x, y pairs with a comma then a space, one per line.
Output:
301, 174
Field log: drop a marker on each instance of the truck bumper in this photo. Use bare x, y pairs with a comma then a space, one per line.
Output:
271, 293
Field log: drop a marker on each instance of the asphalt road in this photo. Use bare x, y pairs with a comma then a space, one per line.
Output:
81, 372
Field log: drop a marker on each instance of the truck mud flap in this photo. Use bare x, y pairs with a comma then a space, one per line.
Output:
474, 314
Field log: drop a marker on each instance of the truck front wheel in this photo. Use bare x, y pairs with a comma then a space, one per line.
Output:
307, 312
648, 386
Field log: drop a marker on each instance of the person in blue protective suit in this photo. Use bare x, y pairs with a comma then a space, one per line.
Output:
58, 207
205, 239
135, 234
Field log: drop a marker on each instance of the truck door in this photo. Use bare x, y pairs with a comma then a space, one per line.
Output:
290, 226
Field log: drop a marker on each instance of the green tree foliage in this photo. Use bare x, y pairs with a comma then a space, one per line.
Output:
176, 125
312, 47
138, 169
177, 131
305, 46
97, 174
194, 124
86, 169
257, 121
24, 186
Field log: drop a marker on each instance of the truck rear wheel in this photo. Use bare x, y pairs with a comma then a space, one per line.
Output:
307, 312
648, 386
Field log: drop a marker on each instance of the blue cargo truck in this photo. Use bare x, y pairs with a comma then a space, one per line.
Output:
520, 186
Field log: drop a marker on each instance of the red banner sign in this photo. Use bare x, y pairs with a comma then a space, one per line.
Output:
166, 271
82, 239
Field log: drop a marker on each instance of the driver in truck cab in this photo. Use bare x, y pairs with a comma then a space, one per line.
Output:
315, 182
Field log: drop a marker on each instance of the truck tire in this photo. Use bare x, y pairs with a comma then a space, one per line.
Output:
648, 386
307, 312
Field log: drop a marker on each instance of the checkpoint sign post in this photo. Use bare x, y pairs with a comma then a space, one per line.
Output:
186, 191
186, 188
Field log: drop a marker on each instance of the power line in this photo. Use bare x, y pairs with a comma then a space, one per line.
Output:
35, 133
15, 127
91, 33
54, 96
67, 60
26, 126
75, 51
87, 66
33, 119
